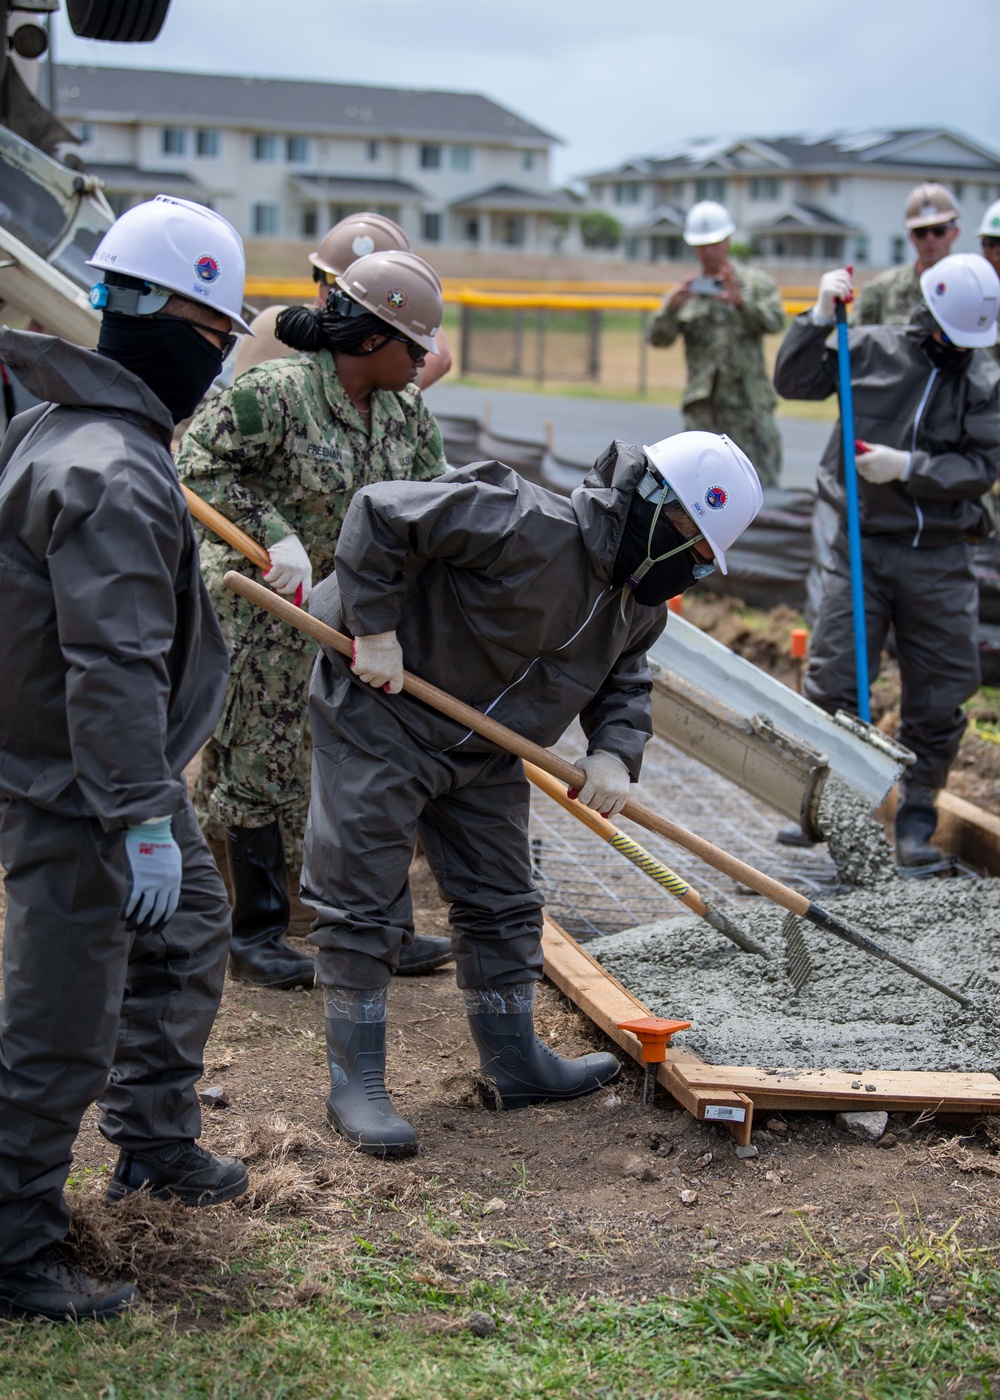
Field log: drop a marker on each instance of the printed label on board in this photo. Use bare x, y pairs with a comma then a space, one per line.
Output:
723, 1113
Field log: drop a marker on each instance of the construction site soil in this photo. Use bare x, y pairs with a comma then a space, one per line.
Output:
581, 1198
601, 1196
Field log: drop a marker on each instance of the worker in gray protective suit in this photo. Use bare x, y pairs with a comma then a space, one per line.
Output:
927, 419
534, 609
114, 671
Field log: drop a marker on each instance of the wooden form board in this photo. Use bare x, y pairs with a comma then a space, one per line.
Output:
729, 1093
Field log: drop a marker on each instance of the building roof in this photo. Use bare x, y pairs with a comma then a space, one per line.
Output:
802, 218
363, 187
911, 149
516, 197
136, 181
153, 95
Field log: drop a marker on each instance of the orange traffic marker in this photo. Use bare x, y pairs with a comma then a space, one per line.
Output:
653, 1033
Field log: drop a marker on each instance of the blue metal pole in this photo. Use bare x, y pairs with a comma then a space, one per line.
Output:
853, 516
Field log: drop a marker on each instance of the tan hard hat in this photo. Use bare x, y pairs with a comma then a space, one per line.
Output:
929, 204
401, 289
355, 237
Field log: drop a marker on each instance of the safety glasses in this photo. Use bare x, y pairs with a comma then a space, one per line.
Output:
225, 339
937, 230
415, 351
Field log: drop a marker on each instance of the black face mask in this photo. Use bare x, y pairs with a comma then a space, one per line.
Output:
665, 579
172, 357
951, 359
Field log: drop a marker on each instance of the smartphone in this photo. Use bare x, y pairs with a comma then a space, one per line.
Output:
706, 287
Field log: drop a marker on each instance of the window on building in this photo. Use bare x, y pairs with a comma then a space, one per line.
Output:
373, 150
309, 223
430, 157
85, 131
528, 160
675, 189
430, 227
296, 149
470, 230
265, 147
173, 140
460, 157
207, 142
898, 249
833, 184
710, 188
765, 187
265, 220
833, 246
119, 203
627, 192
958, 188
984, 193
861, 248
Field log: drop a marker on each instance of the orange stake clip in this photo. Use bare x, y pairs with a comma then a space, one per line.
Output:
653, 1034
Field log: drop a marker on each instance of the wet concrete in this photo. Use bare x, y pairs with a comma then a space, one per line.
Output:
854, 1013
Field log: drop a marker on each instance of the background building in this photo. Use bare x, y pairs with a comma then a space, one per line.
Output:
286, 159
795, 199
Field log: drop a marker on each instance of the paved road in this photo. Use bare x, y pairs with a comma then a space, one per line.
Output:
582, 428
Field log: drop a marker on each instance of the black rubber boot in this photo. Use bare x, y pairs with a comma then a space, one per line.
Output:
424, 954
520, 1069
916, 818
359, 1107
46, 1286
260, 953
181, 1171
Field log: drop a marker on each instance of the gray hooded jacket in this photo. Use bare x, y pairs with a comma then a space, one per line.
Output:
500, 593
950, 422
113, 665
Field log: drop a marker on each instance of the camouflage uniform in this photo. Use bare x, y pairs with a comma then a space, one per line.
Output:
728, 388
891, 298
282, 452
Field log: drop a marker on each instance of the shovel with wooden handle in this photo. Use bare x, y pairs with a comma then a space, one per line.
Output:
574, 777
649, 865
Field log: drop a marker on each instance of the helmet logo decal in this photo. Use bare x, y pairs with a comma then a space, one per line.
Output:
940, 289
397, 297
363, 245
207, 268
715, 497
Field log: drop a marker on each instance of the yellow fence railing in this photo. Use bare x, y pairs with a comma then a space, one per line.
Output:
513, 293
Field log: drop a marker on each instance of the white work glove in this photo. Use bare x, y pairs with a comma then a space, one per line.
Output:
154, 860
607, 785
833, 287
290, 571
378, 661
881, 464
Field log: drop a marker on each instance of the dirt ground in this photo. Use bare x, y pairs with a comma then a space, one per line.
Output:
598, 1196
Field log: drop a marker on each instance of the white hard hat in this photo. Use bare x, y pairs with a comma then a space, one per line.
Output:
714, 481
175, 246
707, 222
990, 227
963, 293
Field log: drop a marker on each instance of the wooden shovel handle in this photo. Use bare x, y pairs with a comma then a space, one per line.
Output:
226, 530
505, 738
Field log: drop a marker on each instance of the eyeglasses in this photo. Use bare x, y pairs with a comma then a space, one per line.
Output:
938, 230
988, 242
415, 351
226, 338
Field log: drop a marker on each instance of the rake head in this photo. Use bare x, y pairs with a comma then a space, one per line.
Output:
798, 964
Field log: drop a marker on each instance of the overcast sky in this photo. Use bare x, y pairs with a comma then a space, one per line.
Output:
616, 79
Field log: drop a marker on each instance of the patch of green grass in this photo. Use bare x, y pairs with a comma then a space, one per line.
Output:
920, 1318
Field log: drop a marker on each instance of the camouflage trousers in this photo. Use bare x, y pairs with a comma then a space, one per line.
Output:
255, 769
756, 433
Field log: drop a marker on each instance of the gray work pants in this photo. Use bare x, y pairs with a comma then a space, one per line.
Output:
91, 1011
931, 599
374, 790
